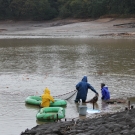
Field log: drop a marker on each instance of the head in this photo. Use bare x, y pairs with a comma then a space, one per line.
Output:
47, 91
84, 79
102, 85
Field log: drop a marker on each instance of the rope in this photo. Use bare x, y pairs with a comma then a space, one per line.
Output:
66, 96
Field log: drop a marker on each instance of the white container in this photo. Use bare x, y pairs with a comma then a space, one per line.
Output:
82, 110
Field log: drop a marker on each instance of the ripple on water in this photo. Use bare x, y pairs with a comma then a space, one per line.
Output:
28, 66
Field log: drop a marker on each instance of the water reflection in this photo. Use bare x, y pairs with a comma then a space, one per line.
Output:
33, 56
132, 100
104, 105
28, 66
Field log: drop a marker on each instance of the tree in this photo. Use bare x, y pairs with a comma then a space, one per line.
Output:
64, 9
78, 8
4, 9
16, 7
98, 8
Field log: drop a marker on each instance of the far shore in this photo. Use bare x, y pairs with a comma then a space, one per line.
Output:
69, 28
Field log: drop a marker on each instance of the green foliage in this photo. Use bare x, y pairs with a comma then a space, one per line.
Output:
78, 8
4, 9
64, 9
98, 8
49, 9
16, 7
43, 10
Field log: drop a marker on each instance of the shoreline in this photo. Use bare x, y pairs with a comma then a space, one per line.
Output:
69, 28
107, 124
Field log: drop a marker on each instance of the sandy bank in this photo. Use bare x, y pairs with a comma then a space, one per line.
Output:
69, 28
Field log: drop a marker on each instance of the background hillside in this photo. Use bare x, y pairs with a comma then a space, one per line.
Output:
50, 9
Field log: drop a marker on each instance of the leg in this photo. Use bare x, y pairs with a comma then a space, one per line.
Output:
83, 101
76, 100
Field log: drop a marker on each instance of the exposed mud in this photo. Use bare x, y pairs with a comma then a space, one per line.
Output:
69, 28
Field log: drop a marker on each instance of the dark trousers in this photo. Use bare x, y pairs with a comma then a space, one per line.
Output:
78, 100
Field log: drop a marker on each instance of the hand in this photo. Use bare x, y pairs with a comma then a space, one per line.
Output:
97, 94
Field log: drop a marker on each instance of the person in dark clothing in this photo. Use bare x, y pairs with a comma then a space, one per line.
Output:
105, 92
82, 90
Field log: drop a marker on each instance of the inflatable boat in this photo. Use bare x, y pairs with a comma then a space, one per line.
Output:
36, 100
50, 114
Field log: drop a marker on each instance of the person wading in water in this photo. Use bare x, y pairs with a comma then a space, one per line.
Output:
82, 90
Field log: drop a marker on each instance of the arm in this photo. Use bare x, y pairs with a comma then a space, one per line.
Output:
77, 86
51, 98
90, 87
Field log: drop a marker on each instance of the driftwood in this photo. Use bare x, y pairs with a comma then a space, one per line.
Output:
119, 34
127, 25
112, 101
124, 24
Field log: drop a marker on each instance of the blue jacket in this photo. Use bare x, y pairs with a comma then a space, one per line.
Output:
82, 88
105, 93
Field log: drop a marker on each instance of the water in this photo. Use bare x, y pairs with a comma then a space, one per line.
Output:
27, 66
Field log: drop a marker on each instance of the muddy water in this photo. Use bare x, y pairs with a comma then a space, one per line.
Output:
28, 66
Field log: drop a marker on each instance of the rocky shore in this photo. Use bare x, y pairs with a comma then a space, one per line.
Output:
120, 123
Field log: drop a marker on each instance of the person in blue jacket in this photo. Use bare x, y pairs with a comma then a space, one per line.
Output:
82, 90
105, 92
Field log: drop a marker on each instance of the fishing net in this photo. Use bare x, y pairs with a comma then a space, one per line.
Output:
66, 96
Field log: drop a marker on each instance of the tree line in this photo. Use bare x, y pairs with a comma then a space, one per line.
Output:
50, 9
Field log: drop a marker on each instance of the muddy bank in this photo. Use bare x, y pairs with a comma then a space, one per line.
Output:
69, 28
121, 123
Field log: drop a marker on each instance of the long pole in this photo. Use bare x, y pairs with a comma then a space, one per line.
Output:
93, 105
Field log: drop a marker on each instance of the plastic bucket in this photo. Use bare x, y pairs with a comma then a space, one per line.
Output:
82, 110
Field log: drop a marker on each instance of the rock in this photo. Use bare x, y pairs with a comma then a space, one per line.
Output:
121, 123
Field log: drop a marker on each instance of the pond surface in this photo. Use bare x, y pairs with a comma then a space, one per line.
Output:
27, 66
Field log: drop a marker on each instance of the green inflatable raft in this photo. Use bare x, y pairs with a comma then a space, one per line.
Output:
50, 114
36, 100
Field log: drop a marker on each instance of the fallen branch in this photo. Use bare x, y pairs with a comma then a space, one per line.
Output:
123, 24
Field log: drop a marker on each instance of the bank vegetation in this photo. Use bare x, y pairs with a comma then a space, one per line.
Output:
50, 9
